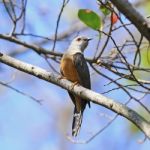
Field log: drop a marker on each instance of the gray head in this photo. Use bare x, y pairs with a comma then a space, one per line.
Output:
80, 42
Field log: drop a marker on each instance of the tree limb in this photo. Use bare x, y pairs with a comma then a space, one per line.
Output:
134, 16
87, 94
36, 48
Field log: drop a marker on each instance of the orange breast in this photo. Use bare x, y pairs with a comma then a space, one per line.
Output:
68, 69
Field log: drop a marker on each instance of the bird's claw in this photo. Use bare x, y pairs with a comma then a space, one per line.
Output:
74, 84
61, 77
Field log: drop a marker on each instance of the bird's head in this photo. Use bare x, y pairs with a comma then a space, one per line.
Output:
80, 42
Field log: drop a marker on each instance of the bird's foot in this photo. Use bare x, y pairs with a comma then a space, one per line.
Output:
73, 85
61, 77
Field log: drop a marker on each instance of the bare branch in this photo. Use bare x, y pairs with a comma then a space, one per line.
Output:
20, 92
87, 94
58, 20
36, 48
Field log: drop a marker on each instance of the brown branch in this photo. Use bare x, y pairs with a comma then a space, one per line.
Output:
76, 27
41, 50
34, 47
87, 94
134, 16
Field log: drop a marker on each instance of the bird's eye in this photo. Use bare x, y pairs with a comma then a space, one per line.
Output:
78, 39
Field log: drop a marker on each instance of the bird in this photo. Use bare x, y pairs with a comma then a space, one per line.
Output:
74, 68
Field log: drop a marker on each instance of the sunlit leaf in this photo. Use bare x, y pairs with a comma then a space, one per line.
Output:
104, 10
90, 18
145, 60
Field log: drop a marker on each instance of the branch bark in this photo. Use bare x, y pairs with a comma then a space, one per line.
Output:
87, 94
36, 48
134, 16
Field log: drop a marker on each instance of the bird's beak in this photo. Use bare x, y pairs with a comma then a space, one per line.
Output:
89, 39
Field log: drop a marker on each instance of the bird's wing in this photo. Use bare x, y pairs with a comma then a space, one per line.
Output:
82, 70
84, 78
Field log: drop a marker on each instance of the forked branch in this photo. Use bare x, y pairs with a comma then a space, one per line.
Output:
87, 94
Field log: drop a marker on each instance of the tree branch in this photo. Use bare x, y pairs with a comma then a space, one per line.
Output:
87, 94
36, 48
134, 16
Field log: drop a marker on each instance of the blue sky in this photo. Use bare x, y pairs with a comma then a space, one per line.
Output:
27, 125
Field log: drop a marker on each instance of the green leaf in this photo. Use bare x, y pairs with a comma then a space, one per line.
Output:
90, 18
104, 10
145, 54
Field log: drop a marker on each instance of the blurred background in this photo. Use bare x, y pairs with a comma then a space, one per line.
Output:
26, 124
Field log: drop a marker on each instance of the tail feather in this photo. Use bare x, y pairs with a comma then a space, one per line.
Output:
77, 121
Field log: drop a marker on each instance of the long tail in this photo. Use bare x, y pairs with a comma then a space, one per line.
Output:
77, 121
